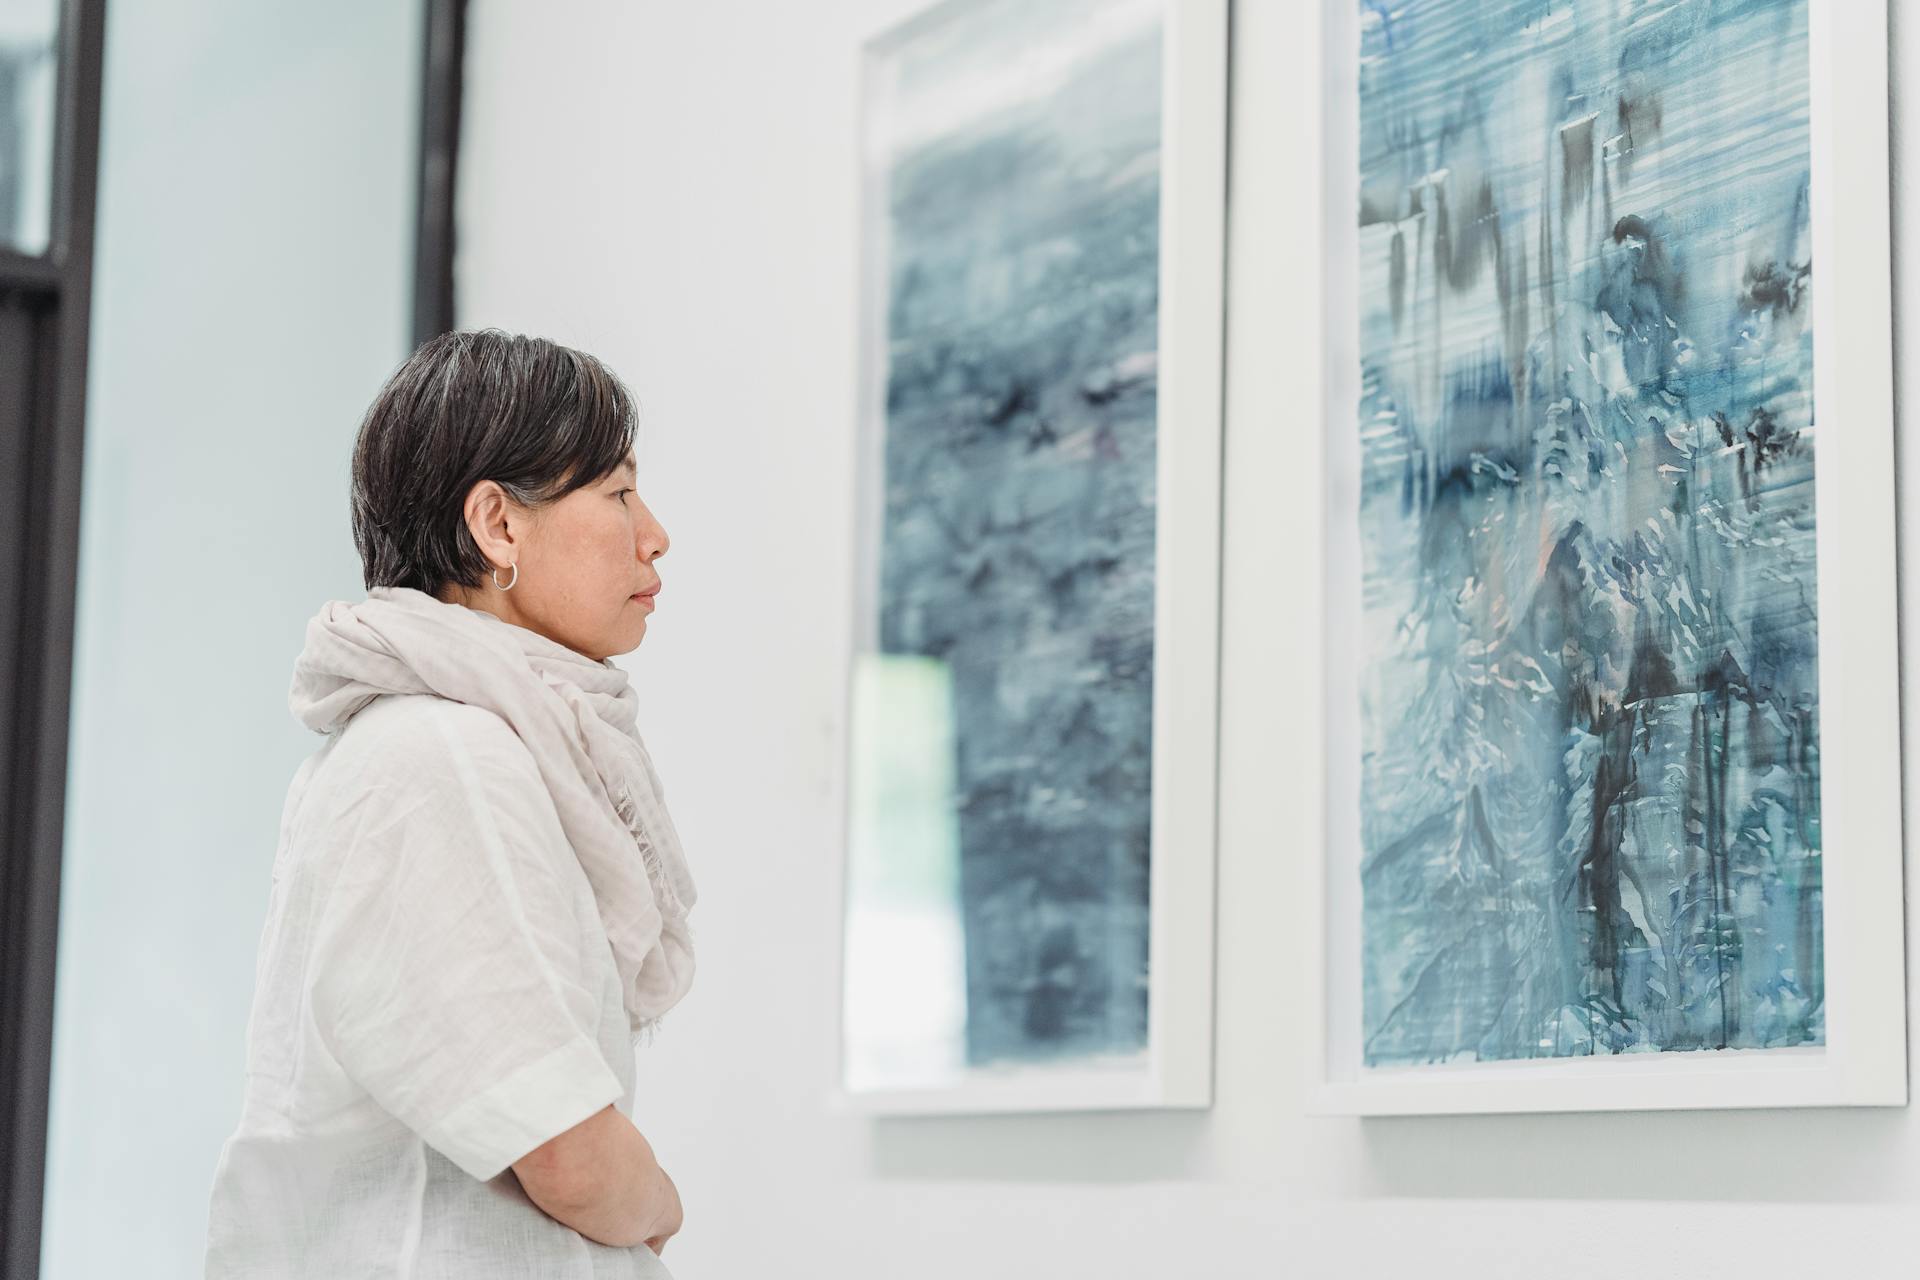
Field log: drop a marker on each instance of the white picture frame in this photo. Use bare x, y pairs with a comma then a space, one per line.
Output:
1175, 1071
1863, 1060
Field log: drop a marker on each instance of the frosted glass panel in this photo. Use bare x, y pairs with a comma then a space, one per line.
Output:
236, 172
28, 31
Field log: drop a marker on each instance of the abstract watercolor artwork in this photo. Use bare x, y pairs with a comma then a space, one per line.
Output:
1589, 682
1002, 789
1017, 533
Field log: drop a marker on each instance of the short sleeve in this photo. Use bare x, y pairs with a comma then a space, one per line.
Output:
448, 974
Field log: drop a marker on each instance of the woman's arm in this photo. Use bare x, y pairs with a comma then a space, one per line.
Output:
600, 1178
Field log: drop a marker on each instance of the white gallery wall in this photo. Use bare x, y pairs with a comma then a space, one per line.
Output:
251, 291
674, 187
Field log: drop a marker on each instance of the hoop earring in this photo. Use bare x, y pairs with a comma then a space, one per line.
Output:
510, 581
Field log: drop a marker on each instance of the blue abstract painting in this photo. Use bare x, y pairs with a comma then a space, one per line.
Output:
1016, 531
1589, 694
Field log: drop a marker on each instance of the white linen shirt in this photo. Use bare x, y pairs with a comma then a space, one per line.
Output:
435, 996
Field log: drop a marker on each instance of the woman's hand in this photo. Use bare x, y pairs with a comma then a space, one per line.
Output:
672, 1217
601, 1178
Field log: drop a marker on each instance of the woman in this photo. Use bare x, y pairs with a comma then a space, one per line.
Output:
478, 901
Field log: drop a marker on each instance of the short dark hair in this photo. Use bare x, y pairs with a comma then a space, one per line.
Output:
537, 418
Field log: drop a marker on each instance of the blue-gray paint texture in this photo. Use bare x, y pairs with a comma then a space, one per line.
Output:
1017, 532
1589, 698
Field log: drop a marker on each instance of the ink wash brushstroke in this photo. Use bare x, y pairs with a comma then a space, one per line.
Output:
1590, 784
1017, 530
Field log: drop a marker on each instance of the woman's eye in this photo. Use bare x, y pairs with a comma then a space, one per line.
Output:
622, 494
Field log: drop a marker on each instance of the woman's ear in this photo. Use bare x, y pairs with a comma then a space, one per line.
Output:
490, 519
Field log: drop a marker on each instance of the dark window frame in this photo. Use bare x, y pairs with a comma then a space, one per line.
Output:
441, 76
44, 307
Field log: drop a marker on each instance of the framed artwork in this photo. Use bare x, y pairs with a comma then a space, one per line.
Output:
1030, 824
1613, 760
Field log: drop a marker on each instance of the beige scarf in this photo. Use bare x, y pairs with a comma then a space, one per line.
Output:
574, 714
